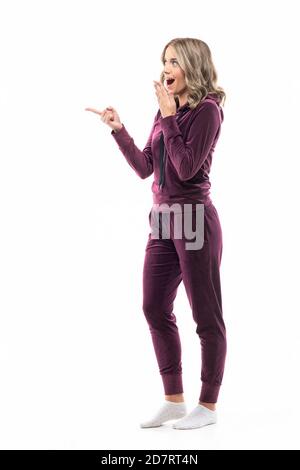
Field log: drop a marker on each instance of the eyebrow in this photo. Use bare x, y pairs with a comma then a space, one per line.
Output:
173, 58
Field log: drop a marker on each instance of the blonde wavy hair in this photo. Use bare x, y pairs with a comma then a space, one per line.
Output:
194, 57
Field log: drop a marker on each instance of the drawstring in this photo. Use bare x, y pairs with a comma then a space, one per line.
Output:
162, 156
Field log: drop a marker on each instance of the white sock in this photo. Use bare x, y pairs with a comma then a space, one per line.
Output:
198, 417
169, 410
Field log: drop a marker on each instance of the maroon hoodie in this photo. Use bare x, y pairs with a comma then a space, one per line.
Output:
188, 139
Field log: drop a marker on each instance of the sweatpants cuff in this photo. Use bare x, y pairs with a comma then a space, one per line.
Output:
209, 393
172, 383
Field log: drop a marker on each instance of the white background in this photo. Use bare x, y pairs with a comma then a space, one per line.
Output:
77, 365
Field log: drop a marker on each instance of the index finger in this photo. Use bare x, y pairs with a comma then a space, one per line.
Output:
94, 111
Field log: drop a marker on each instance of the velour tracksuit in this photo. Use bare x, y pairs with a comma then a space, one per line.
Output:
179, 152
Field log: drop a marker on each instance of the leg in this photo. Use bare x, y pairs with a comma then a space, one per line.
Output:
161, 277
201, 278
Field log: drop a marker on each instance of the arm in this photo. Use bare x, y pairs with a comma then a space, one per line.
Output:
188, 157
140, 161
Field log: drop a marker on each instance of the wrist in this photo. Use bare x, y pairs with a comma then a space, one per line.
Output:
167, 115
115, 131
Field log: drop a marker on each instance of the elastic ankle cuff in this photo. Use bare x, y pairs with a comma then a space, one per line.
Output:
172, 383
209, 393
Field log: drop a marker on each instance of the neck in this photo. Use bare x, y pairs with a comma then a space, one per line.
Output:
181, 103
182, 99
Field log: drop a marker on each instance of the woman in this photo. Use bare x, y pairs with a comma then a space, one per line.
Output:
179, 153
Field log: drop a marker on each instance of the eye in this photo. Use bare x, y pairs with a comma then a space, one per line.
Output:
173, 61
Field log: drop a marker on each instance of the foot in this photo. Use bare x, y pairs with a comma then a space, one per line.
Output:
197, 418
169, 410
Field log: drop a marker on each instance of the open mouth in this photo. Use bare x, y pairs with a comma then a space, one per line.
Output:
170, 81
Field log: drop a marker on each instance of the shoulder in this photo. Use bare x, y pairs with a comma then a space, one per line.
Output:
208, 110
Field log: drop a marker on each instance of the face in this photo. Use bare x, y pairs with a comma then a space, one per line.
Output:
173, 70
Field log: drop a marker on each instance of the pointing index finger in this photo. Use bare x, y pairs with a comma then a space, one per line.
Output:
94, 111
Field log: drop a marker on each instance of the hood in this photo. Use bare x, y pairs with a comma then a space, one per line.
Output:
216, 99
211, 96
185, 107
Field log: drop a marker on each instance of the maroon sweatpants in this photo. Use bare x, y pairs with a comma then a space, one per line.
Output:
168, 262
